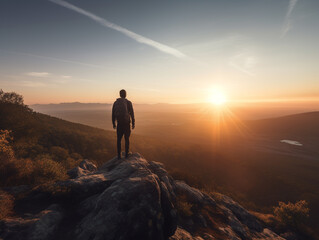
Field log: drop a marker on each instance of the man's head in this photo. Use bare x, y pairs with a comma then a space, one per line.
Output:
123, 93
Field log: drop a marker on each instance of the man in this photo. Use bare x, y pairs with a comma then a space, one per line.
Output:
123, 112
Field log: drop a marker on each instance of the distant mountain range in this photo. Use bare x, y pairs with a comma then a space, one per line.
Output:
70, 106
242, 110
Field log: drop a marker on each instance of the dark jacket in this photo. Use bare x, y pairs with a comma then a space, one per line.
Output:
129, 109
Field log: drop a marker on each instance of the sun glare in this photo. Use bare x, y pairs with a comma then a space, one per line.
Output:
218, 98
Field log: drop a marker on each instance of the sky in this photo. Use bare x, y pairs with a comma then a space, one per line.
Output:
168, 51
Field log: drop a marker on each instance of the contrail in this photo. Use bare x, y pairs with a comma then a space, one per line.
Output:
130, 34
287, 23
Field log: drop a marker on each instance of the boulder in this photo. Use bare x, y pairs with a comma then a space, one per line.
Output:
85, 167
127, 199
40, 226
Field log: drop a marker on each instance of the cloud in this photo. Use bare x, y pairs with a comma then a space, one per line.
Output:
31, 84
50, 79
141, 39
244, 63
53, 59
288, 22
66, 77
216, 44
37, 80
147, 89
38, 74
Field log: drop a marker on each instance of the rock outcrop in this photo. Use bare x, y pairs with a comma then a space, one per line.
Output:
85, 167
128, 199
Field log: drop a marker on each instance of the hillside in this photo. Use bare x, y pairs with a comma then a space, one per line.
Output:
47, 146
36, 133
128, 199
303, 126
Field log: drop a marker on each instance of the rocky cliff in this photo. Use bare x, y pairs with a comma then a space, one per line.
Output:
127, 199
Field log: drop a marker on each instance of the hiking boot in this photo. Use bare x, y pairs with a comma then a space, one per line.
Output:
128, 154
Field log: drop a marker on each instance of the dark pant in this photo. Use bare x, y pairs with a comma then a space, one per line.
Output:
123, 129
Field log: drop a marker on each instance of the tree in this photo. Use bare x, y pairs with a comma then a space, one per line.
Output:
11, 97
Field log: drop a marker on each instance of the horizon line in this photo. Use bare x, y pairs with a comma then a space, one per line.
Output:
265, 100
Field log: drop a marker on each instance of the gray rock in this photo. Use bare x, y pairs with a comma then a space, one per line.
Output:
128, 199
47, 223
182, 234
38, 227
290, 236
85, 167
77, 172
136, 207
16, 228
194, 195
242, 214
207, 236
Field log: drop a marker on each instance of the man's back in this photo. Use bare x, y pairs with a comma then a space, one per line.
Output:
123, 112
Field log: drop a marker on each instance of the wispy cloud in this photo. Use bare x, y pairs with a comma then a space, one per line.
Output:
244, 63
54, 59
16, 81
147, 89
141, 39
50, 79
36, 80
66, 77
65, 61
31, 84
214, 44
288, 22
38, 74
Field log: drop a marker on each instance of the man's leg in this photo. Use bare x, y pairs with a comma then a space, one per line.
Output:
127, 134
119, 131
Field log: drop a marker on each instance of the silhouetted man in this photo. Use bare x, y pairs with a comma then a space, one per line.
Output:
123, 112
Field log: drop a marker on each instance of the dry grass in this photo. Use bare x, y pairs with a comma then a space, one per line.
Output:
184, 208
6, 204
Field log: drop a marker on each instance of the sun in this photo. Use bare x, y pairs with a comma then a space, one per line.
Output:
218, 98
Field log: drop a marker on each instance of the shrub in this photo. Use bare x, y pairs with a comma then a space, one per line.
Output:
46, 170
184, 208
293, 215
76, 156
24, 172
70, 163
6, 151
6, 204
59, 154
7, 167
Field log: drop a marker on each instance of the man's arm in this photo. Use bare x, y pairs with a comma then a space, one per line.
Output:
113, 117
131, 112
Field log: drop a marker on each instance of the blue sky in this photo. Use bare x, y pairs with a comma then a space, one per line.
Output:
175, 51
